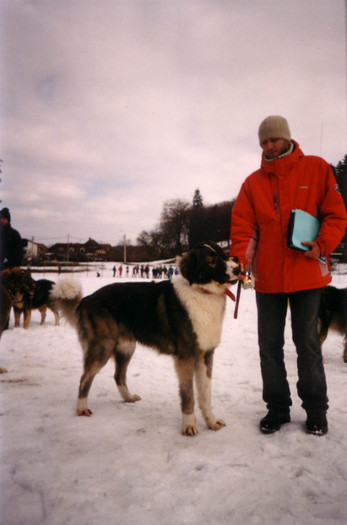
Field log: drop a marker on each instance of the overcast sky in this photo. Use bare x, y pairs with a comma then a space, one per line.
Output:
109, 108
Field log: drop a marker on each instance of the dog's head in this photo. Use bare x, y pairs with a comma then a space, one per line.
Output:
207, 263
17, 282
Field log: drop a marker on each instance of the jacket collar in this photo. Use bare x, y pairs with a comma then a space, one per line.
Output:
277, 165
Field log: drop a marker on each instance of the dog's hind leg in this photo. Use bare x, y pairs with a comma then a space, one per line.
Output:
203, 375
345, 349
42, 311
322, 330
96, 357
123, 353
185, 374
56, 317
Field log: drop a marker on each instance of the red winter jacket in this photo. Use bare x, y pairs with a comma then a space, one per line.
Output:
260, 218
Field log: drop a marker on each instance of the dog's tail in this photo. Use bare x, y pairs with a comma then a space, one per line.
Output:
66, 295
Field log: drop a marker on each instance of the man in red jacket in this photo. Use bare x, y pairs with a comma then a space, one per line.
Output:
288, 180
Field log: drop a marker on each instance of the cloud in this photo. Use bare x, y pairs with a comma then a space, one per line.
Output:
110, 108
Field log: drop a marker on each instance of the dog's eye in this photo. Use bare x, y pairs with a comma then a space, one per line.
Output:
211, 260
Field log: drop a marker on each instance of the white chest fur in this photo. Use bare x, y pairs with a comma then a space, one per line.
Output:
205, 310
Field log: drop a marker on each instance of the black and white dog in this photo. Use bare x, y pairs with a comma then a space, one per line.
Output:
182, 318
333, 314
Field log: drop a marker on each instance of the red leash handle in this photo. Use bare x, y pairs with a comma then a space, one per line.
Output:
238, 294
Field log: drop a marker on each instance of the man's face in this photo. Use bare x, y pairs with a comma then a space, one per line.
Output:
273, 148
4, 221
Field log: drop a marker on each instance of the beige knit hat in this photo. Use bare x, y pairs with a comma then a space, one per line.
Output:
274, 127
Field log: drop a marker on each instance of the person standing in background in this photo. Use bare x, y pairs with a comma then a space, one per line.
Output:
11, 243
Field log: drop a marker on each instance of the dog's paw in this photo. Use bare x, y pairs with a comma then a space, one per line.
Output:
216, 424
189, 430
82, 408
133, 398
3, 370
127, 396
84, 412
189, 425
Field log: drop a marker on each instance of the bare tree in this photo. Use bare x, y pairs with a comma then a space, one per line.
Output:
174, 224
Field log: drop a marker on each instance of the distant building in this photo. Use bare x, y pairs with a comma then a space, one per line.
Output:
33, 251
88, 251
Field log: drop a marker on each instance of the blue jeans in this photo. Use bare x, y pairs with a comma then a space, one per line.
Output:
311, 385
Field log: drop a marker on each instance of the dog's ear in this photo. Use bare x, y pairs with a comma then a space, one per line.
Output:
5, 275
185, 264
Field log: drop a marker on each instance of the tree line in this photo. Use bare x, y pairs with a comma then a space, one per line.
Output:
183, 224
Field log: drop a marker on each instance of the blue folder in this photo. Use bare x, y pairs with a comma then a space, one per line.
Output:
302, 227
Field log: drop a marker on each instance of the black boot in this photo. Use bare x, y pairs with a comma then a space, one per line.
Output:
317, 423
273, 421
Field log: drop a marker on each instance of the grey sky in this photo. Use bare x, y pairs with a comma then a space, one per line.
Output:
109, 108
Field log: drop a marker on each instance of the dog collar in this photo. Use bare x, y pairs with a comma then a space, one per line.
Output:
204, 290
226, 291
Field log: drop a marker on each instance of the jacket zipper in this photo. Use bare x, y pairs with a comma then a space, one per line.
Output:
275, 203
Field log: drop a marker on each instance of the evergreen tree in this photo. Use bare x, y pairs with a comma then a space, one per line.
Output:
197, 199
340, 172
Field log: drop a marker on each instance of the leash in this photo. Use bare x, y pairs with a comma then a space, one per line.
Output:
238, 295
230, 294
246, 283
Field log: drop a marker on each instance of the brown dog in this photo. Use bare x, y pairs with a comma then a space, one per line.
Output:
40, 300
14, 283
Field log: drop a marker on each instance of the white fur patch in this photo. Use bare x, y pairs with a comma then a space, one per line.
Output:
129, 398
82, 407
205, 310
67, 289
189, 425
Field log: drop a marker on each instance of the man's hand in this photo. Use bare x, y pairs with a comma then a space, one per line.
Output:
242, 274
314, 252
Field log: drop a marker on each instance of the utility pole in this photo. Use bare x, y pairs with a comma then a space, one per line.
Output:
125, 249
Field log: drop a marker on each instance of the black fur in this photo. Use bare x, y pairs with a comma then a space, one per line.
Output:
333, 314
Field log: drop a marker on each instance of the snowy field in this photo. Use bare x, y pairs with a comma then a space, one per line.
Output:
128, 463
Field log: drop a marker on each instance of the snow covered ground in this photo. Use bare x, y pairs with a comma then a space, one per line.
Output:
128, 463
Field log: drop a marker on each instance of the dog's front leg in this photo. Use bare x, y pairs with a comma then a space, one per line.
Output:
185, 373
203, 375
345, 349
27, 318
17, 313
